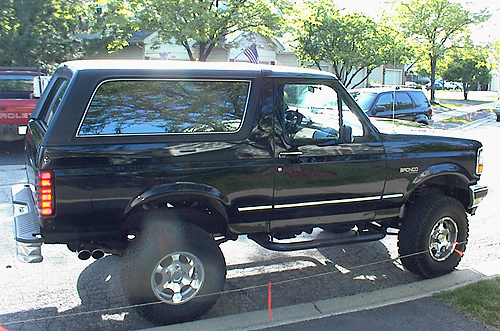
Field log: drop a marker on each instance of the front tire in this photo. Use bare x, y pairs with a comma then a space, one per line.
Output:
177, 264
433, 235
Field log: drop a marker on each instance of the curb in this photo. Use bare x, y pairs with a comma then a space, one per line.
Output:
258, 320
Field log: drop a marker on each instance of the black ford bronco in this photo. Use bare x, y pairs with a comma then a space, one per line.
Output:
160, 162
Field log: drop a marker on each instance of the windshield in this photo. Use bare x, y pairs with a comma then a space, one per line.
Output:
364, 99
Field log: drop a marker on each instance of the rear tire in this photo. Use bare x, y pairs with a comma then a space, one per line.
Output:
177, 264
434, 232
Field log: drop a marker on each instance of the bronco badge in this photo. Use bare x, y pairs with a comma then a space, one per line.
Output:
409, 170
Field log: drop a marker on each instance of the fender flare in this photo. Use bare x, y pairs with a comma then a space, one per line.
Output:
218, 200
439, 170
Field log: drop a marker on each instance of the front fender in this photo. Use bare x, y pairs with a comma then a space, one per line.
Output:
440, 170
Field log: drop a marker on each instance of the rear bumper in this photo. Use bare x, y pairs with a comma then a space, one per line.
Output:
26, 228
477, 194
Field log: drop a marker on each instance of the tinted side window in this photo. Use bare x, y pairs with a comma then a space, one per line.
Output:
403, 101
127, 107
53, 101
420, 99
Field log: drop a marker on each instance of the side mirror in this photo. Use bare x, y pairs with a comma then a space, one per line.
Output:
378, 109
346, 134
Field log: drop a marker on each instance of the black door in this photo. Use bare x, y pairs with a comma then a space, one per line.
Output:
324, 174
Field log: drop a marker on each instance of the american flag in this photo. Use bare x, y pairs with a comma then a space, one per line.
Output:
251, 54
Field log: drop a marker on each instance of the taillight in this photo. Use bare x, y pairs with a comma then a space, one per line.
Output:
479, 161
45, 193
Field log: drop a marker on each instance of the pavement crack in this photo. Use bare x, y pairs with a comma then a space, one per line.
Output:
316, 307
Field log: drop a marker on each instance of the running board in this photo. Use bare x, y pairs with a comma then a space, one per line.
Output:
266, 241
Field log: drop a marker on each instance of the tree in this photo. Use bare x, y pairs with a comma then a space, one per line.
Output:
349, 42
468, 65
434, 23
40, 32
205, 23
495, 53
110, 24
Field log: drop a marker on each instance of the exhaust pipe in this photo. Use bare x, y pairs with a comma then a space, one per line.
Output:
97, 253
84, 254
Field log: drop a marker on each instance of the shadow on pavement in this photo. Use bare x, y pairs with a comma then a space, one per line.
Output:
341, 271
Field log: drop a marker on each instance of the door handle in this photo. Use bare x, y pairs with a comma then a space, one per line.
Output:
297, 153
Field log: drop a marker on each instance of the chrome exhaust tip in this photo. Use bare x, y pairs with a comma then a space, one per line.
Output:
97, 254
84, 254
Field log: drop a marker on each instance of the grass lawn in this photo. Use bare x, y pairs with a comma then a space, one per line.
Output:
480, 301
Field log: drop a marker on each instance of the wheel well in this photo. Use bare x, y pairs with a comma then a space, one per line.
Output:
448, 185
206, 212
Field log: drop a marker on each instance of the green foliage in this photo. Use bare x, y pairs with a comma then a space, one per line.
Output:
468, 65
434, 24
206, 22
350, 42
47, 32
40, 32
111, 23
495, 53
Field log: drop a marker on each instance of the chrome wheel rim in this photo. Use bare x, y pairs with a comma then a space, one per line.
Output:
177, 278
443, 239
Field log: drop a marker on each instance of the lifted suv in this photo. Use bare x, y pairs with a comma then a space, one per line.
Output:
411, 104
159, 162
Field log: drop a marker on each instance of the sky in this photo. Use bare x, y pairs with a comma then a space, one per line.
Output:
482, 34
490, 30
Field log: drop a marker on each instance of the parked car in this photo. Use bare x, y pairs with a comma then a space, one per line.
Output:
411, 104
20, 89
497, 108
438, 84
452, 86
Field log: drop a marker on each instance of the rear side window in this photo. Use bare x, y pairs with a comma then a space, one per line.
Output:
129, 107
420, 99
403, 101
53, 100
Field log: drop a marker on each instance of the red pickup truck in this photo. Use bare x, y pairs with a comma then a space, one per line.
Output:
19, 93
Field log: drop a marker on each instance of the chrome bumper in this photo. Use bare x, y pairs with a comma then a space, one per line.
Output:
477, 194
26, 228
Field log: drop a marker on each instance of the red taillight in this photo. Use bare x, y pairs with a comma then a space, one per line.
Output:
45, 195
46, 175
45, 183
